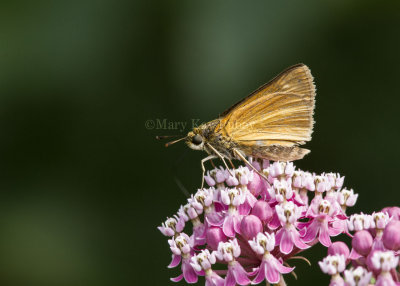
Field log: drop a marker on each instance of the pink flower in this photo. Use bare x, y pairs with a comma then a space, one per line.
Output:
270, 268
258, 185
277, 169
333, 264
307, 181
191, 211
250, 226
263, 211
288, 235
216, 177
394, 212
384, 260
320, 224
281, 191
172, 226
346, 198
202, 263
379, 220
297, 179
232, 198
385, 279
362, 242
228, 251
340, 248
391, 235
321, 184
335, 180
357, 277
214, 236
181, 250
204, 197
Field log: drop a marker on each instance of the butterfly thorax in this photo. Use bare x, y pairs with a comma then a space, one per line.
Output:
209, 136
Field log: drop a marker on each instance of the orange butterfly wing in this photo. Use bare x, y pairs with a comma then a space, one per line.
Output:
276, 116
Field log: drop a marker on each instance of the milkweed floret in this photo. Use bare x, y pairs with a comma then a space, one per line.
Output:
172, 226
228, 252
271, 268
202, 263
346, 198
357, 276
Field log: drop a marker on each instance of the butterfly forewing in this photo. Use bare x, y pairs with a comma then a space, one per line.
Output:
280, 113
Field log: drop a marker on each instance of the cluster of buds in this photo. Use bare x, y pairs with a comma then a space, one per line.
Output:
253, 225
373, 258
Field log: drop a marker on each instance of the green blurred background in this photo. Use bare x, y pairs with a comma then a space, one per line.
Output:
84, 184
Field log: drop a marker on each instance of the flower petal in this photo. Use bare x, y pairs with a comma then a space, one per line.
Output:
286, 245
177, 278
312, 231
214, 280
299, 242
228, 227
324, 236
240, 274
230, 279
283, 269
272, 274
261, 274
188, 272
236, 223
176, 259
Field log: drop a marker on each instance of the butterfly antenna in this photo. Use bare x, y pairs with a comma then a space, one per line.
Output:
182, 187
173, 142
174, 170
165, 136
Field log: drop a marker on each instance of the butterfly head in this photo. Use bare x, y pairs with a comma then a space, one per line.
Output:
195, 140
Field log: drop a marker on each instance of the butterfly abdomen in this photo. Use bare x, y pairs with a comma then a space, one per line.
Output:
277, 152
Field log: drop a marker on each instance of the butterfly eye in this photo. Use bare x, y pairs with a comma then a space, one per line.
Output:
197, 139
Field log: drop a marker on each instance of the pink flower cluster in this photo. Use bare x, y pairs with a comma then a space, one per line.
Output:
253, 226
373, 258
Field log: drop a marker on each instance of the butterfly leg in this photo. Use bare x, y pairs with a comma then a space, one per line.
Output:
222, 158
212, 163
203, 168
230, 161
237, 152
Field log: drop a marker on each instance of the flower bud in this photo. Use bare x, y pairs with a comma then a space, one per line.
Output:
362, 242
256, 186
250, 226
221, 175
214, 236
340, 248
393, 212
391, 235
263, 211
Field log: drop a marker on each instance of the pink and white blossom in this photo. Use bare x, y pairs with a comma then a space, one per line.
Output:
346, 198
357, 276
271, 268
228, 251
202, 263
182, 251
333, 264
288, 236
